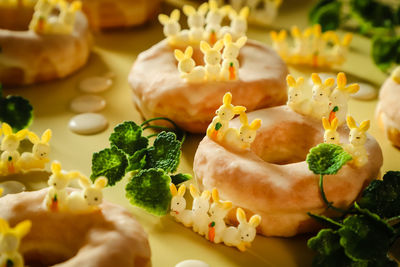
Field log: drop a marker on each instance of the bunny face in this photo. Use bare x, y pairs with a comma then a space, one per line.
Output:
247, 233
41, 151
200, 205
357, 137
214, 17
295, 95
226, 112
9, 242
93, 196
58, 180
219, 210
239, 26
247, 135
230, 51
331, 137
178, 204
212, 57
196, 20
172, 28
10, 143
186, 65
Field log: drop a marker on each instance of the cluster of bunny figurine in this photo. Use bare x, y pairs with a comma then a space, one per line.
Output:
220, 131
86, 200
17, 3
12, 162
213, 70
45, 21
327, 99
312, 47
209, 220
204, 24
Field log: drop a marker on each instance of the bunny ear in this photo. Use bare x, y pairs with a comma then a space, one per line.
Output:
100, 182
239, 109
33, 138
295, 32
241, 41
308, 32
290, 81
317, 30
22, 134
225, 10
163, 19
347, 39
215, 195
206, 194
227, 38
299, 81
7, 130
23, 228
241, 215
203, 8
353, 88
274, 35
193, 191
84, 181
76, 6
351, 122
255, 124
255, 220
396, 75
227, 205
46, 136
175, 15
173, 190
1, 191
55, 167
213, 4
188, 10
4, 227
329, 82
326, 124
204, 47
334, 124
182, 190
178, 54
218, 45
232, 14
282, 35
316, 79
189, 51
227, 100
243, 118
364, 126
341, 80
244, 12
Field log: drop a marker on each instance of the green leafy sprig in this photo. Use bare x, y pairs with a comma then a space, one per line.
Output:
16, 111
150, 169
364, 233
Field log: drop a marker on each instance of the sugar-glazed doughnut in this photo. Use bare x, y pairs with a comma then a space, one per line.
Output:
388, 109
183, 77
269, 175
39, 45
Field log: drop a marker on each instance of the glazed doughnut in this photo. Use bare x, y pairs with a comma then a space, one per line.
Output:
28, 57
388, 109
159, 91
106, 237
272, 179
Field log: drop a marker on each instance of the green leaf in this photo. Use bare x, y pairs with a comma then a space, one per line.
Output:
165, 153
385, 51
327, 159
137, 161
180, 178
326, 221
127, 136
374, 13
16, 111
327, 14
149, 189
383, 196
111, 163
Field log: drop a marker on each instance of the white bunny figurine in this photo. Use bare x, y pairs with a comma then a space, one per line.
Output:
280, 44
56, 197
341, 49
242, 236
186, 66
178, 206
302, 51
40, 152
89, 198
340, 96
43, 9
220, 123
230, 63
331, 136
172, 28
321, 104
395, 75
213, 21
238, 25
10, 145
297, 100
68, 14
10, 240
200, 207
196, 21
357, 139
212, 58
218, 211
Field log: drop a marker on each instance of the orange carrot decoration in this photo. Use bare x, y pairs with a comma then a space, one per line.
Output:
232, 72
332, 115
211, 231
54, 204
213, 37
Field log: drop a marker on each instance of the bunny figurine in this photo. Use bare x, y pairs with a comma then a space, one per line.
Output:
230, 63
10, 145
212, 57
178, 206
280, 44
302, 51
213, 21
357, 139
238, 25
43, 9
340, 96
10, 240
186, 66
297, 100
196, 21
396, 75
218, 211
241, 236
321, 104
331, 136
201, 204
40, 152
172, 28
220, 123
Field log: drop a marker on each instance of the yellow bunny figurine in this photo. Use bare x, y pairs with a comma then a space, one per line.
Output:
357, 139
230, 63
178, 206
187, 67
1, 191
200, 208
297, 99
218, 211
196, 21
321, 103
40, 152
10, 239
331, 136
396, 75
280, 44
10, 145
212, 58
172, 28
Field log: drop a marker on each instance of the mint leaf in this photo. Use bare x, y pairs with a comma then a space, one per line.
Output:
326, 221
127, 136
137, 161
111, 163
180, 178
165, 153
385, 51
327, 14
149, 189
383, 196
327, 158
16, 111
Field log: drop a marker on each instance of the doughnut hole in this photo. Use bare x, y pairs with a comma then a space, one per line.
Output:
286, 143
15, 18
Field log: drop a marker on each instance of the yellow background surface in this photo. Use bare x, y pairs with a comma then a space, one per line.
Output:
170, 241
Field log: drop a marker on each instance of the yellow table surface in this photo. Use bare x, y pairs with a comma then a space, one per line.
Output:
170, 241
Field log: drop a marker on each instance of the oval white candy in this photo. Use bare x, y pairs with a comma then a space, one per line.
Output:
87, 103
192, 263
12, 187
366, 92
88, 123
95, 84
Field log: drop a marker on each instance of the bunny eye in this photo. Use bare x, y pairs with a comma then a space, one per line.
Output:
85, 196
358, 137
54, 184
320, 94
295, 95
247, 235
95, 199
333, 138
177, 203
249, 136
